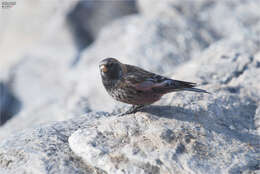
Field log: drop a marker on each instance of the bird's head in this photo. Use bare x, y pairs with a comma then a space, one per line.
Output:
111, 69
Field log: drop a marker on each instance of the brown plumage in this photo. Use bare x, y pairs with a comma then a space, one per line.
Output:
133, 85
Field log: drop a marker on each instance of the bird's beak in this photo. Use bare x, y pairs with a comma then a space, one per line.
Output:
103, 68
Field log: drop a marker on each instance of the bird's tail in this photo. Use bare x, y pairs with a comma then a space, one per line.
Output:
196, 90
177, 85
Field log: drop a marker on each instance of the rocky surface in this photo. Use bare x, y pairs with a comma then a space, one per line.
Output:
167, 140
44, 149
214, 43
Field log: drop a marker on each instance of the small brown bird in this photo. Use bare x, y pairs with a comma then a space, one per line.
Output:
133, 85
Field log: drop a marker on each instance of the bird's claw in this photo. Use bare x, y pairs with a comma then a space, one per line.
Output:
131, 110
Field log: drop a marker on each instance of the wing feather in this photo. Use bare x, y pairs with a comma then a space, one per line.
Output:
144, 80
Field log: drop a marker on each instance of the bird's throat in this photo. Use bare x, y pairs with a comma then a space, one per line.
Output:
110, 84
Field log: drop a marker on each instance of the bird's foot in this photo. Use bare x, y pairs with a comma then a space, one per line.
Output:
132, 109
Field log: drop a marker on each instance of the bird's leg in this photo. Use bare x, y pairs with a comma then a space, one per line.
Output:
132, 109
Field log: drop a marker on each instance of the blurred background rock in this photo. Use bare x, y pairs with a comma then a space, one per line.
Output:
40, 43
49, 54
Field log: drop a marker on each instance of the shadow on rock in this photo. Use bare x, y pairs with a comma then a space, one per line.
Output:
9, 104
210, 120
87, 18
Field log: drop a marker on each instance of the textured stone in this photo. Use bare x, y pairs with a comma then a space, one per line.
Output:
174, 139
44, 149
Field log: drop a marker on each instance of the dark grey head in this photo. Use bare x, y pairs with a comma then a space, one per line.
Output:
110, 69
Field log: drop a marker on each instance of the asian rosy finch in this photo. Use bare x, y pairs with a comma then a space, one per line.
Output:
133, 85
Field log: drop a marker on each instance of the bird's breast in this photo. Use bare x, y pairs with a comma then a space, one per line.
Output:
133, 96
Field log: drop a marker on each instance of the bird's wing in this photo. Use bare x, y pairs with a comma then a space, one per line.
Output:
138, 78
171, 85
136, 75
144, 80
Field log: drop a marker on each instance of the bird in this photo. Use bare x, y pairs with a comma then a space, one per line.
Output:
138, 87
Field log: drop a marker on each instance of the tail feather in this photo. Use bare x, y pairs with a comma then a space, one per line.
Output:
196, 90
186, 86
182, 84
170, 85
